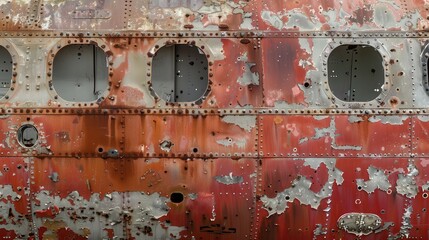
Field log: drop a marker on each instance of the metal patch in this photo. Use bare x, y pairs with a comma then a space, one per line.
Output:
359, 223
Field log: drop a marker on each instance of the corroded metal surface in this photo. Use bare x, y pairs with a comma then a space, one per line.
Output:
268, 151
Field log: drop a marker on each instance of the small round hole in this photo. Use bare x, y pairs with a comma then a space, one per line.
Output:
306, 84
195, 150
100, 150
176, 197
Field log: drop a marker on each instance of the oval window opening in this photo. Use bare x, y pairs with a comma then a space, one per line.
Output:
5, 71
80, 72
355, 73
28, 135
180, 73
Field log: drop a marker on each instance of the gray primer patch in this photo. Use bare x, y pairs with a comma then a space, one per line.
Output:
229, 179
406, 184
319, 230
193, 196
320, 117
330, 131
248, 77
355, 119
245, 122
314, 163
377, 179
393, 120
301, 20
228, 142
423, 118
272, 19
300, 190
303, 140
383, 17
425, 187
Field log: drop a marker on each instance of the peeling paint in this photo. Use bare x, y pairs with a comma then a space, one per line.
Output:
386, 226
355, 119
300, 190
229, 179
166, 145
229, 142
18, 222
319, 230
331, 132
406, 184
193, 196
248, 77
393, 120
314, 163
245, 122
98, 213
377, 180
406, 224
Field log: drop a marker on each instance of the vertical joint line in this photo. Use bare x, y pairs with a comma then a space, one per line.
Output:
94, 68
349, 97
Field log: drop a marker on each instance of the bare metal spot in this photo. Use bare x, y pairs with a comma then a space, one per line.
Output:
229, 179
166, 145
54, 177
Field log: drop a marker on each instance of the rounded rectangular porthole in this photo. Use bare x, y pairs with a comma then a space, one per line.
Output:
355, 73
80, 72
5, 71
180, 73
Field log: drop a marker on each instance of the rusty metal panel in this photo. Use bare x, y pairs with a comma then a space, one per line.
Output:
135, 194
341, 135
62, 136
212, 135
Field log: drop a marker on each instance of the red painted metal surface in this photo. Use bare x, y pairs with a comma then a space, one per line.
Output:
268, 152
